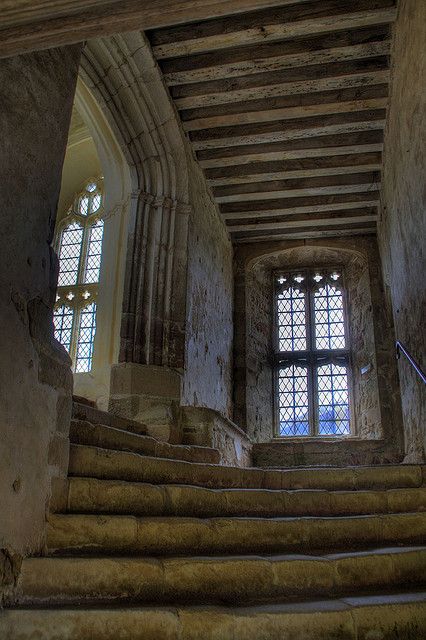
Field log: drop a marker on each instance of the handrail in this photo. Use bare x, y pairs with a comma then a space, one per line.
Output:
400, 347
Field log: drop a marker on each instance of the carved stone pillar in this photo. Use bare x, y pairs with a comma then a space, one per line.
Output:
146, 384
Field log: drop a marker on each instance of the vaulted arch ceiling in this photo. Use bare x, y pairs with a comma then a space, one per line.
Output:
285, 108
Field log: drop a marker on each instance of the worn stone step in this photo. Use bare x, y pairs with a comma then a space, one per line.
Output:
212, 536
243, 579
85, 433
382, 617
91, 495
103, 463
83, 411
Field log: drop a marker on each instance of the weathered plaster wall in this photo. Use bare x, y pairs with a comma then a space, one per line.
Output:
403, 213
35, 379
208, 356
375, 393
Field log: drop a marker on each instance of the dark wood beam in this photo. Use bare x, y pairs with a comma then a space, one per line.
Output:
30, 25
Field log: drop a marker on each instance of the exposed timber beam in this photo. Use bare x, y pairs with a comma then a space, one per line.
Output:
293, 193
364, 121
331, 18
302, 234
278, 63
30, 25
282, 169
256, 108
369, 206
302, 173
331, 83
321, 146
309, 221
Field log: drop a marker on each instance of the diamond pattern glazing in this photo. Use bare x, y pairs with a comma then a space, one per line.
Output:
293, 401
63, 321
333, 400
69, 254
291, 308
328, 318
94, 253
86, 339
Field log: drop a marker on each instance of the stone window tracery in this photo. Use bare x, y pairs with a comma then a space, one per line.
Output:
79, 245
311, 353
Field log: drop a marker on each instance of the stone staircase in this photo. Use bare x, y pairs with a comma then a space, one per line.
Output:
158, 541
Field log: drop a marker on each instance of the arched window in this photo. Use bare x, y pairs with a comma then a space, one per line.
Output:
79, 245
311, 353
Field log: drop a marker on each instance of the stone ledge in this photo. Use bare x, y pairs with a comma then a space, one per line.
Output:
209, 428
315, 452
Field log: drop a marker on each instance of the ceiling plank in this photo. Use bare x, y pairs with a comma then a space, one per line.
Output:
301, 173
332, 83
364, 122
277, 63
321, 146
290, 113
270, 32
309, 221
293, 193
266, 214
248, 190
30, 25
301, 201
302, 234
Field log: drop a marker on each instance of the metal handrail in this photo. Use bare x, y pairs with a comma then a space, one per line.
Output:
400, 347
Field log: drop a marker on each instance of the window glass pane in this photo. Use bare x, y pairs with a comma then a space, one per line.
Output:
293, 401
84, 206
94, 252
328, 318
291, 308
86, 339
69, 255
333, 400
96, 202
62, 320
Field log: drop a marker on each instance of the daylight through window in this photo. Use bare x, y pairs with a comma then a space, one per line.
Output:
311, 354
79, 245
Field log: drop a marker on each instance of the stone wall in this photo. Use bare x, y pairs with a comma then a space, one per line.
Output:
35, 378
208, 354
376, 414
402, 226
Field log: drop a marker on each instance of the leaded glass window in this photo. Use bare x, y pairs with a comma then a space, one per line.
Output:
312, 358
79, 245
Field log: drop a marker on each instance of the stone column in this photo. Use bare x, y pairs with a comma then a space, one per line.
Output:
36, 97
145, 385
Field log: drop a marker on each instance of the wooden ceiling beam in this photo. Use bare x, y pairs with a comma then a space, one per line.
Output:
321, 146
301, 173
30, 25
264, 196
290, 113
368, 122
283, 168
369, 206
313, 221
301, 201
332, 83
255, 190
253, 66
268, 110
329, 17
302, 234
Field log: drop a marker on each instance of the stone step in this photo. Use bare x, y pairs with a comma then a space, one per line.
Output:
382, 617
207, 580
91, 495
112, 534
83, 411
119, 465
99, 435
